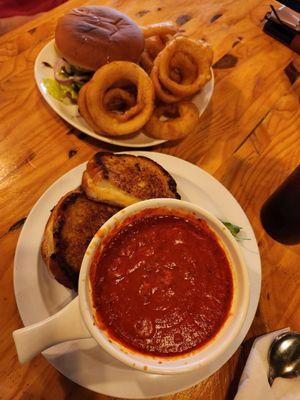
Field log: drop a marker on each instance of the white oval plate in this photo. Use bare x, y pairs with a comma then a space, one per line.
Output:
38, 295
69, 112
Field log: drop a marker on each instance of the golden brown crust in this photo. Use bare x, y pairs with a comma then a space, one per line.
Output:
83, 110
70, 228
123, 179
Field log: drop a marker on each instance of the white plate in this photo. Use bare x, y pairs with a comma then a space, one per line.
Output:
38, 295
69, 112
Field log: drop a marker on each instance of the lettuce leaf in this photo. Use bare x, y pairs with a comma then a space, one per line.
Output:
234, 230
60, 92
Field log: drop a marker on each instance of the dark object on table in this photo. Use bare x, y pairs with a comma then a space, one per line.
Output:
12, 8
292, 4
284, 24
280, 215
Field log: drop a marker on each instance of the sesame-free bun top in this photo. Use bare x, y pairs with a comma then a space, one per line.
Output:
89, 37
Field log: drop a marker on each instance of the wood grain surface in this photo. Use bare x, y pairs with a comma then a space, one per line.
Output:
248, 138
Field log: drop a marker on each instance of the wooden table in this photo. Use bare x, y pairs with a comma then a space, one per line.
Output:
248, 138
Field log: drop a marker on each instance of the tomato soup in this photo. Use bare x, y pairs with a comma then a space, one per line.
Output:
161, 283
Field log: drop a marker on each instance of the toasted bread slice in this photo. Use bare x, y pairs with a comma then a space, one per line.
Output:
124, 179
70, 228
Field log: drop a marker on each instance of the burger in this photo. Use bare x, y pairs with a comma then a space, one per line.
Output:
88, 37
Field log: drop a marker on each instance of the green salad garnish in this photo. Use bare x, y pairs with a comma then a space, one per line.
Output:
235, 230
64, 93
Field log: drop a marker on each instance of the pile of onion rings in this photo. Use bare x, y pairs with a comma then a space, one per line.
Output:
122, 97
181, 69
99, 100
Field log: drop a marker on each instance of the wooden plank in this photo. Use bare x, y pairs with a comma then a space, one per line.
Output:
249, 138
252, 174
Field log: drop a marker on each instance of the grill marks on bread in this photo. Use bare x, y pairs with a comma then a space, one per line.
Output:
123, 179
110, 182
71, 226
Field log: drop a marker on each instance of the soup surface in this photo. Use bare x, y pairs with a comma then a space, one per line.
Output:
161, 283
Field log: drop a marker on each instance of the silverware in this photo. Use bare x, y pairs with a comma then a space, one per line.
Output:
284, 356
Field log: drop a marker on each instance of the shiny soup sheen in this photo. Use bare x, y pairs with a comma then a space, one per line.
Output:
161, 283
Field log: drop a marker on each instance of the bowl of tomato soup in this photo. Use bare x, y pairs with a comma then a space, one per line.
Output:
163, 287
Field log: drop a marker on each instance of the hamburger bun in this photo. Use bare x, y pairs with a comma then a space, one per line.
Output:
89, 37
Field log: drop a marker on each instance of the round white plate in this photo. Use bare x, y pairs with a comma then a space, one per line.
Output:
69, 112
38, 294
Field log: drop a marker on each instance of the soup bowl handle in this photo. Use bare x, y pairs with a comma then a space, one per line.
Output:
67, 324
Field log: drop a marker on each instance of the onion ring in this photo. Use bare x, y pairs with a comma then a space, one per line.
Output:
163, 28
102, 80
146, 61
154, 45
160, 91
166, 38
83, 110
120, 95
187, 69
176, 128
175, 75
115, 97
198, 51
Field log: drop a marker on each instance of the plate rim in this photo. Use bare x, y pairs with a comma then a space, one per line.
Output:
189, 165
88, 131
